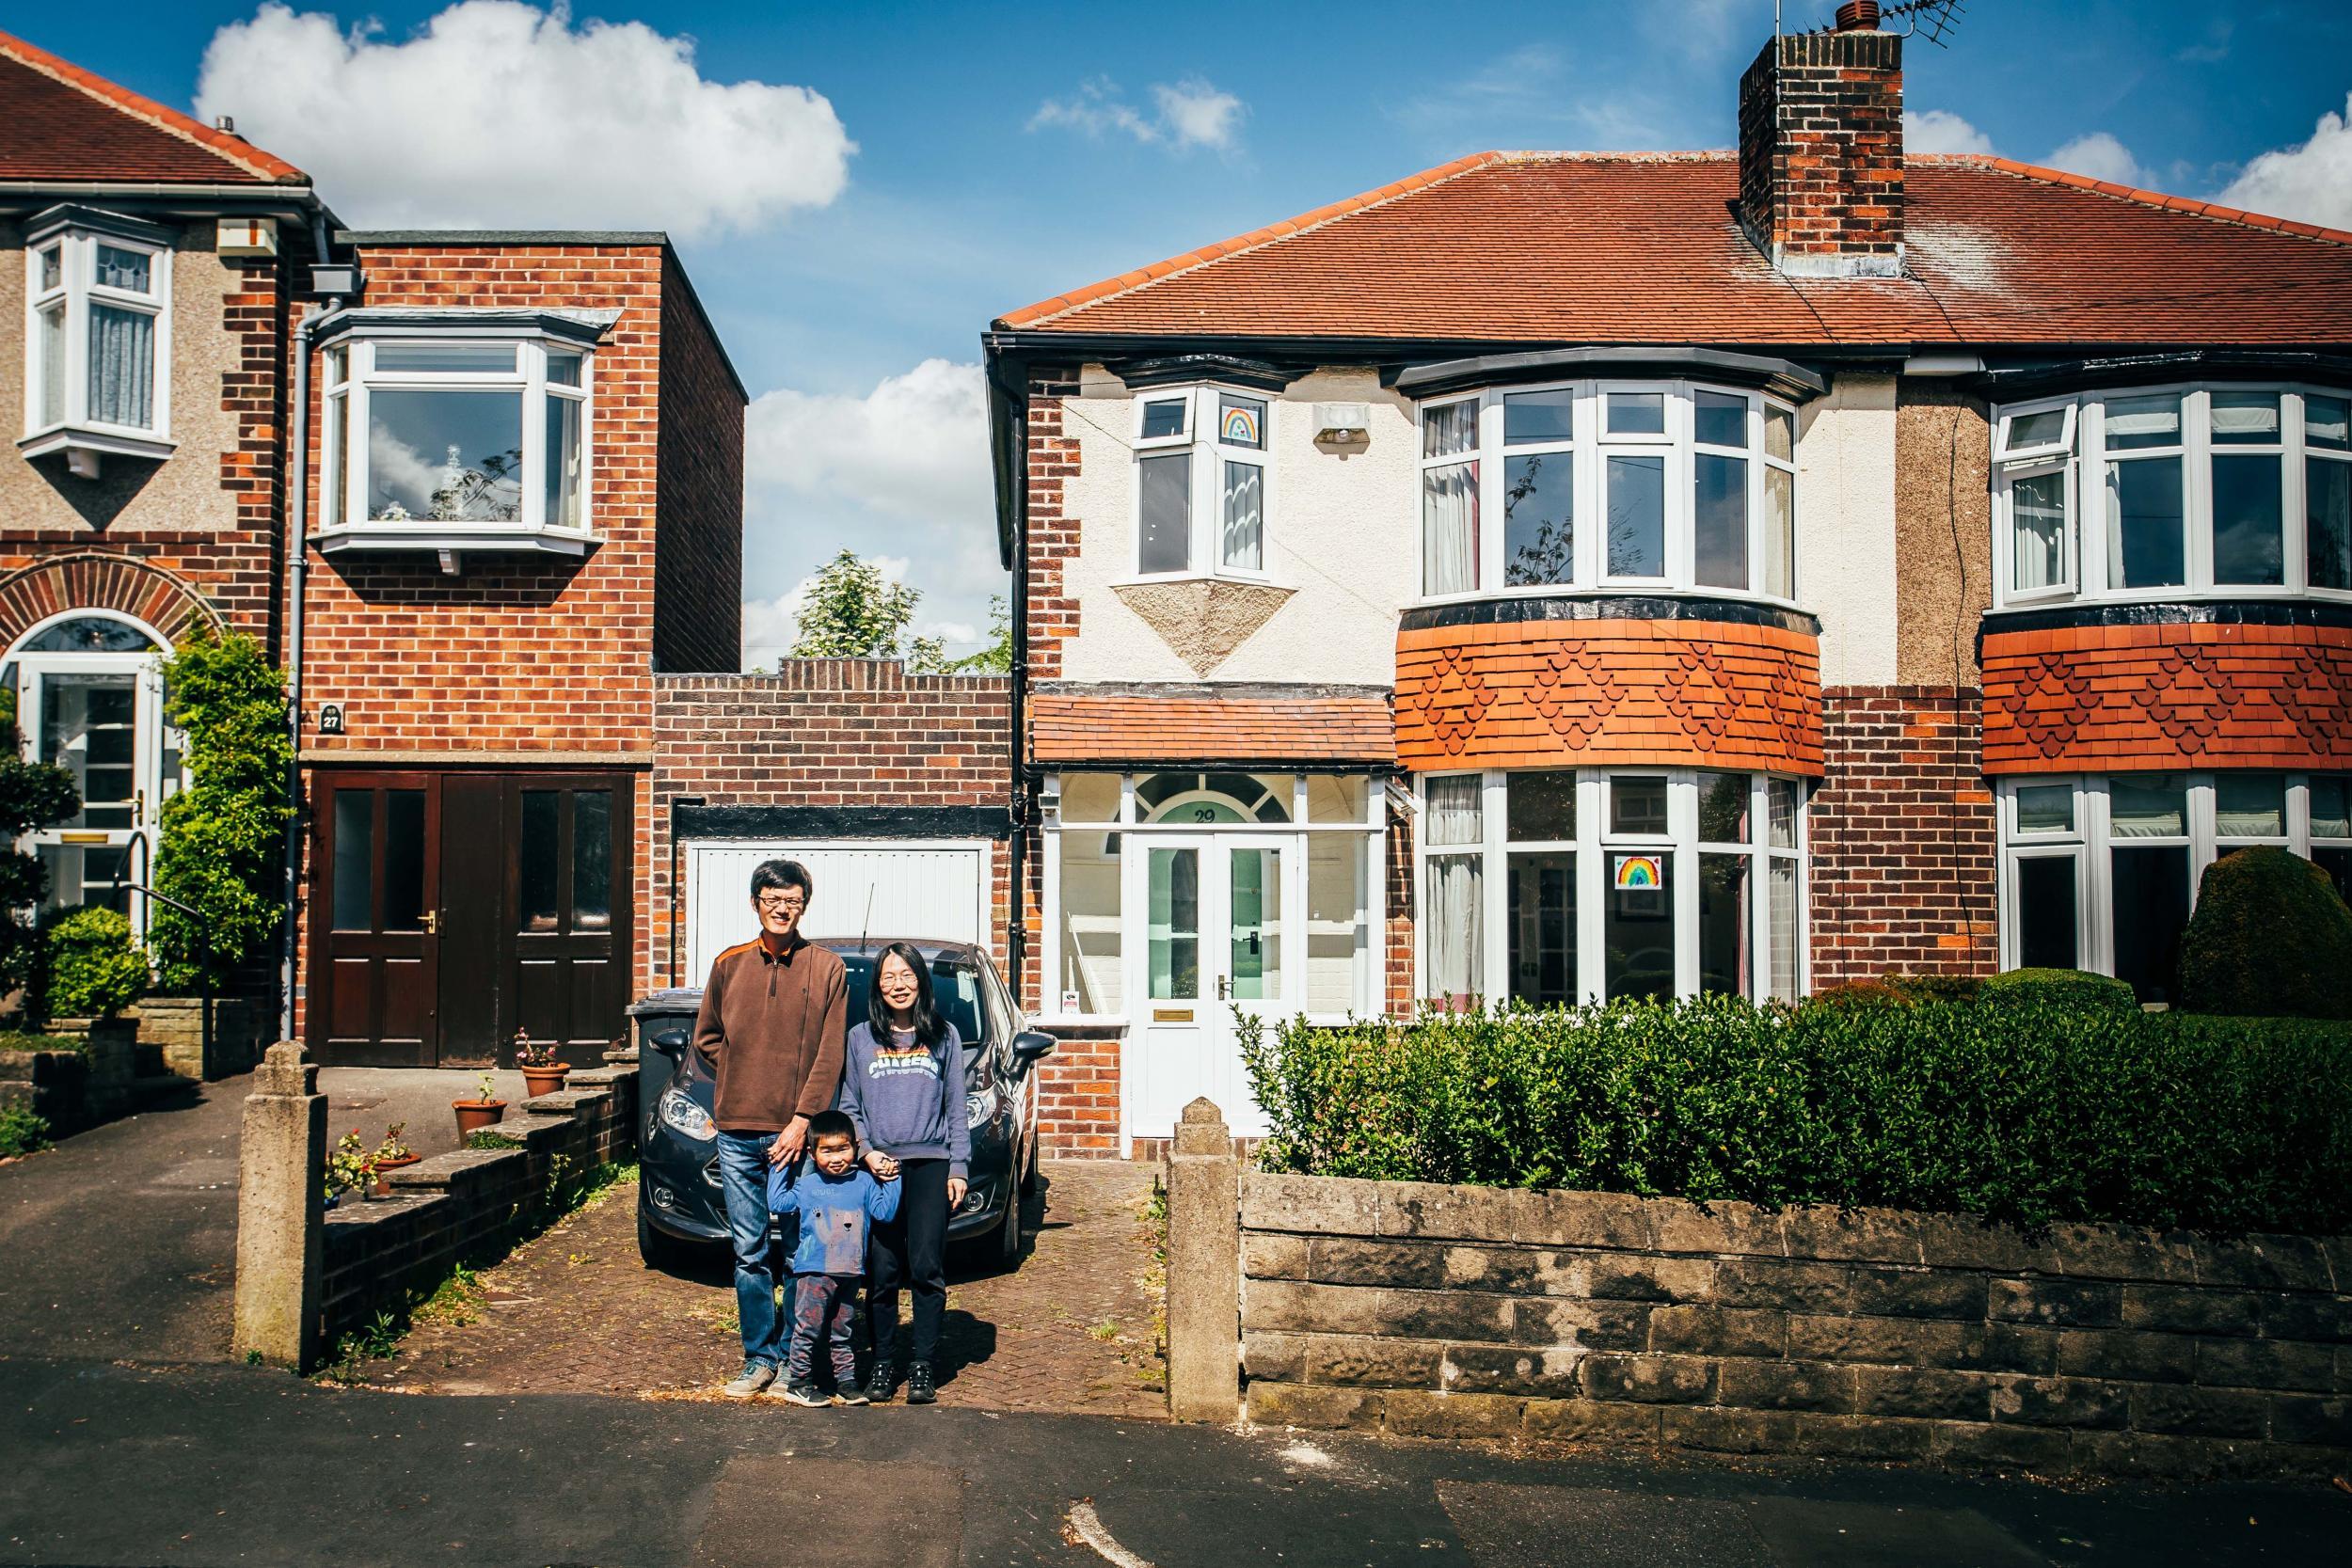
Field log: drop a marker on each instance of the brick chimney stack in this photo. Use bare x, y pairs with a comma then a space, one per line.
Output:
1821, 149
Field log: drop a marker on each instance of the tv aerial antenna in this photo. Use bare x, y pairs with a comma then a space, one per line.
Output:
1933, 20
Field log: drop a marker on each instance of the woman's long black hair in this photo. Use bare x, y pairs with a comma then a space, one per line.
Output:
930, 1028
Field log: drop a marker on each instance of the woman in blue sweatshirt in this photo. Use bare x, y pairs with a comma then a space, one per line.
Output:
902, 1082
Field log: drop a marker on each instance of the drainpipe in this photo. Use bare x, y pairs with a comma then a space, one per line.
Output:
297, 572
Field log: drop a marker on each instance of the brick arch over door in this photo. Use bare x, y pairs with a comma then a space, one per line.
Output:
94, 580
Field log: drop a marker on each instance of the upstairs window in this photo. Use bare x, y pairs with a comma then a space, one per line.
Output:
470, 437
2173, 492
98, 313
1590, 485
1200, 481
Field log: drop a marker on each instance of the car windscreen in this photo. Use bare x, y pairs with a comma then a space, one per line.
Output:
955, 990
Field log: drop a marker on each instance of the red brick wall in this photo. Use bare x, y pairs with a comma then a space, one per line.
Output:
1822, 145
1053, 613
827, 731
698, 495
1903, 836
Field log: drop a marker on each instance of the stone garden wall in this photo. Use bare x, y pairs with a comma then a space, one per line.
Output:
471, 1204
1480, 1312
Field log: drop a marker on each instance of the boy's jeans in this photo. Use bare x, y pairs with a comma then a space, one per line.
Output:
821, 1305
743, 1178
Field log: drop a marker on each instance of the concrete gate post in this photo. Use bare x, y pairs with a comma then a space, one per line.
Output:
1203, 1268
281, 1226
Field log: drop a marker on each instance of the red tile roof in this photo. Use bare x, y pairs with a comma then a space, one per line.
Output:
1066, 726
1644, 248
58, 122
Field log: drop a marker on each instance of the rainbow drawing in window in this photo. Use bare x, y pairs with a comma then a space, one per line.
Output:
1640, 871
1240, 426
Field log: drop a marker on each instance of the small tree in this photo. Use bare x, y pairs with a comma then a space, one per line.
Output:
223, 839
852, 612
32, 795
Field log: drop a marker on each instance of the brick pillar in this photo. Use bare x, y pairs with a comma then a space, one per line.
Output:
281, 1219
1205, 1252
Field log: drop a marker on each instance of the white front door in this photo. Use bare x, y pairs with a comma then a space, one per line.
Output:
1218, 917
100, 717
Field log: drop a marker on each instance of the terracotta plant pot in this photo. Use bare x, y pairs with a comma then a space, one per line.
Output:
545, 1080
475, 1115
384, 1188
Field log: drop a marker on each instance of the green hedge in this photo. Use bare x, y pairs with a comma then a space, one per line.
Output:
94, 967
2019, 1110
2270, 936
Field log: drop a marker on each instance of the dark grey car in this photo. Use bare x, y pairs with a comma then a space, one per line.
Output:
681, 1209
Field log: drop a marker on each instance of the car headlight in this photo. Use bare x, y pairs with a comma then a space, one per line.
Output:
680, 1114
980, 1106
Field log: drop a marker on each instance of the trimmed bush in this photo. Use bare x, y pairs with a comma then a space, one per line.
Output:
2059, 988
20, 1131
94, 970
2023, 1111
2271, 937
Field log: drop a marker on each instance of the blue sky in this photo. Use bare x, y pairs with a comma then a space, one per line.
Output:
1004, 154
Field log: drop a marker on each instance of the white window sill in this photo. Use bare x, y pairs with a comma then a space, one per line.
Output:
428, 536
1251, 579
85, 445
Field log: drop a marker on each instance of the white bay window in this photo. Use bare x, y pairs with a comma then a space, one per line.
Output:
2241, 491
2100, 872
1200, 483
1589, 484
1606, 883
97, 338
443, 441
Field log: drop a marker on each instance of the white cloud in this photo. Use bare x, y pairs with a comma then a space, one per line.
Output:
915, 448
1192, 113
1942, 131
499, 115
2312, 181
2100, 156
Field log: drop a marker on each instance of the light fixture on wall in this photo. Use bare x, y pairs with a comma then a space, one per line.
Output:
1344, 424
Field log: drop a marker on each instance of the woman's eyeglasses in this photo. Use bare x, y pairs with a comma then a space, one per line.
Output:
782, 903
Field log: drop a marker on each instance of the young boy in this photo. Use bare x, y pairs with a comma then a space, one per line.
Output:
837, 1203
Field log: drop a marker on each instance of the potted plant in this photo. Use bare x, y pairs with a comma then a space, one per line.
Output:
350, 1168
392, 1155
484, 1110
541, 1070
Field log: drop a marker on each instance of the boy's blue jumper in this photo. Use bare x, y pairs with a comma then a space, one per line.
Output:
837, 1213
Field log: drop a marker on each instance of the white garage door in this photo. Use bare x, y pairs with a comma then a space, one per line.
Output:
936, 888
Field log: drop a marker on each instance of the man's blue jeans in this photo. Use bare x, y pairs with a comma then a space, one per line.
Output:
743, 1176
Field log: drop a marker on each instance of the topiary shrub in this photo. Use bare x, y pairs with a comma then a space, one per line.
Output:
32, 795
93, 969
2061, 988
2271, 937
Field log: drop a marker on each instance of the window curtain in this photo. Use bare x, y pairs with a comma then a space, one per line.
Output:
1455, 810
1457, 934
2037, 506
121, 367
1449, 535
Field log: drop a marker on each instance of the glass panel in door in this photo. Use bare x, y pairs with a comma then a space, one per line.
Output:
89, 728
1173, 916
1256, 899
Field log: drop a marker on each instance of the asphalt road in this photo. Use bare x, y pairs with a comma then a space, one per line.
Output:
126, 1439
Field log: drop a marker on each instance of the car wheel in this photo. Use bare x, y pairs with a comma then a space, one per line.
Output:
1009, 1233
656, 1248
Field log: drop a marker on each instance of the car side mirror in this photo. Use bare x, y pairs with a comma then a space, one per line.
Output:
670, 1042
1029, 1048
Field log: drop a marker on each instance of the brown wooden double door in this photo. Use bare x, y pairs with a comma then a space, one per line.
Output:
450, 910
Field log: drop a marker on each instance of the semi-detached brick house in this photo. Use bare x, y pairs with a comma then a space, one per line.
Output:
1558, 575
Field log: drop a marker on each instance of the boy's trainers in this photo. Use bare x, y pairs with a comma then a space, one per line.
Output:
806, 1393
750, 1381
919, 1390
849, 1393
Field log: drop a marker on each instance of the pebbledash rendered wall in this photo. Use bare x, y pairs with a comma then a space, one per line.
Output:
1445, 1311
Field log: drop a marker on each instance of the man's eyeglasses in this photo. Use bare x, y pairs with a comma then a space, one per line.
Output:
782, 903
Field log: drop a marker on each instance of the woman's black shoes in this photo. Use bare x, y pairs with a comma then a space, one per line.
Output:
919, 1390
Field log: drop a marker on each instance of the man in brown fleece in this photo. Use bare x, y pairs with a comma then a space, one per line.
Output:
770, 1029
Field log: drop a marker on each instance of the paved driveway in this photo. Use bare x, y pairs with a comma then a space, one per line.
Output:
575, 1311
